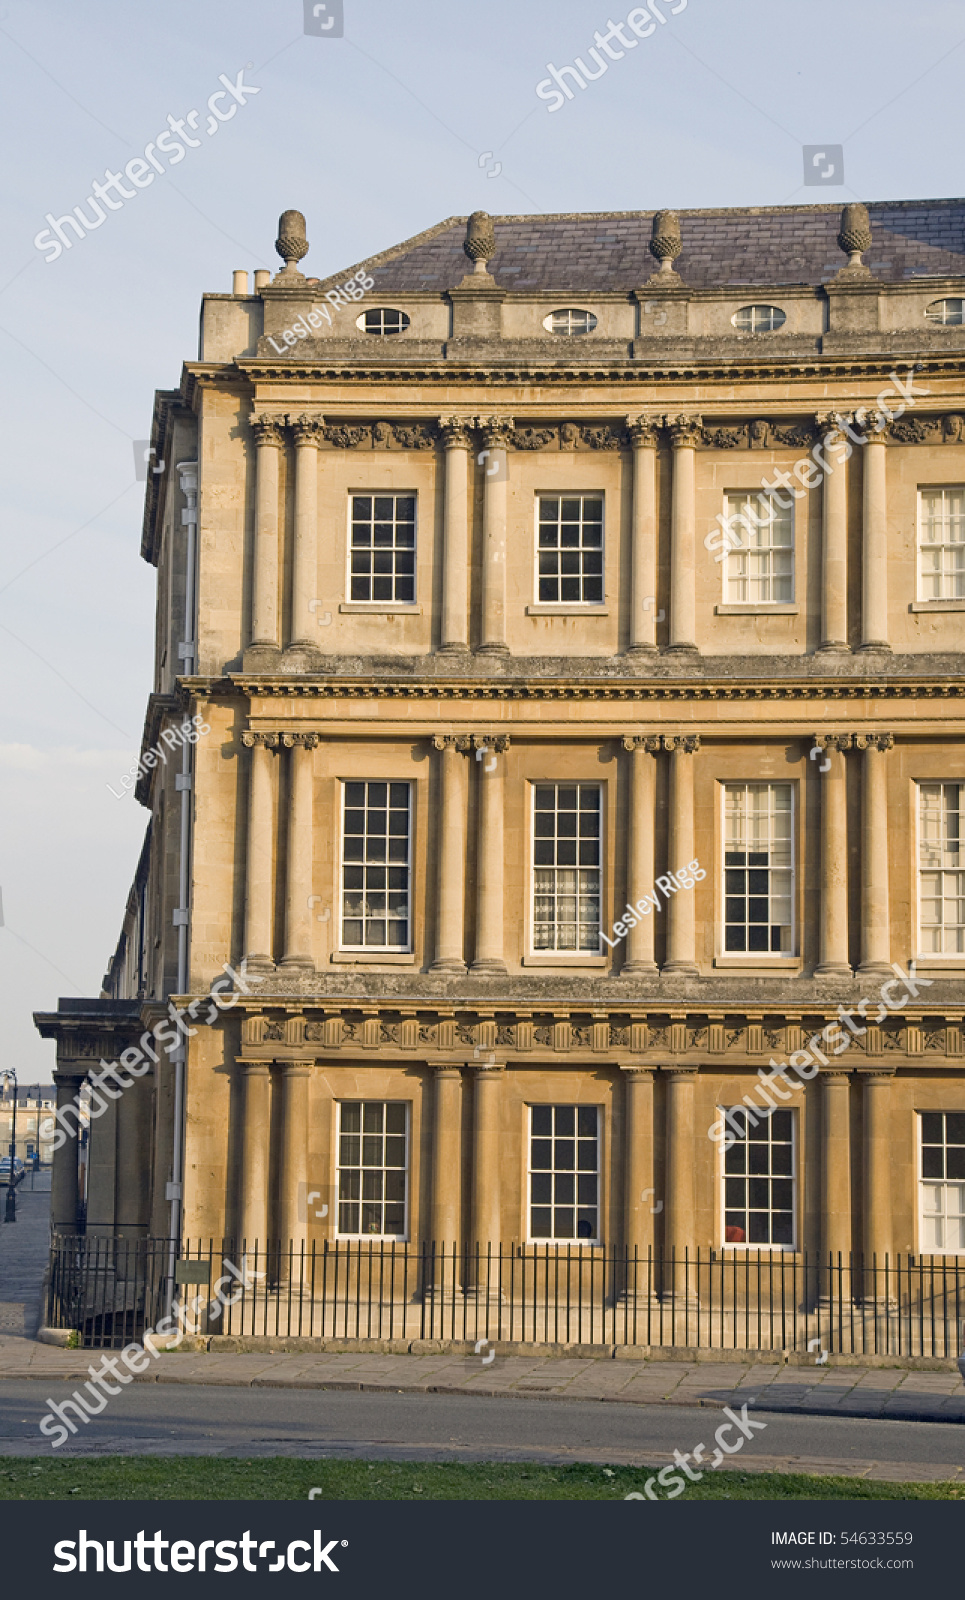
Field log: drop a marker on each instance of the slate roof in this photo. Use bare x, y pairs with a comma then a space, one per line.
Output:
742, 245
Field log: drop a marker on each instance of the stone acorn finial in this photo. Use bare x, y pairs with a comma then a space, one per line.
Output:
480, 241
854, 234
665, 241
291, 243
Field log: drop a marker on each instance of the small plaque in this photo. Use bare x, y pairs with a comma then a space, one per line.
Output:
192, 1272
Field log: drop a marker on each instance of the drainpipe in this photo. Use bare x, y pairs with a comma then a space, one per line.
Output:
187, 650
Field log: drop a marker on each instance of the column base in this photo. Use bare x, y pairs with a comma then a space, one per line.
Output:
492, 648
875, 969
259, 964
876, 644
449, 964
297, 963
639, 969
833, 647
454, 648
490, 967
680, 969
683, 649
261, 657
641, 650
300, 656
833, 969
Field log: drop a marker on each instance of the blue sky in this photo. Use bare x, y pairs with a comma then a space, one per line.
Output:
375, 136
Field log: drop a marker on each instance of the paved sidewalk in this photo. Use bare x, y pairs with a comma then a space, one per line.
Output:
23, 1257
819, 1391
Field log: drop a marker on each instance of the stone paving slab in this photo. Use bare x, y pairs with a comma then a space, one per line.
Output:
836, 1391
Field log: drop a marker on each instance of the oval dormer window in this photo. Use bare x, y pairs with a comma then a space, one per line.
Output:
569, 322
381, 320
758, 319
950, 313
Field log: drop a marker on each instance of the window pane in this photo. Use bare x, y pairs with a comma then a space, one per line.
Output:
383, 543
374, 833
566, 834
556, 1187
373, 1168
757, 902
571, 550
759, 1209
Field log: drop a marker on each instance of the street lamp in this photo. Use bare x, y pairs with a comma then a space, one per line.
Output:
10, 1213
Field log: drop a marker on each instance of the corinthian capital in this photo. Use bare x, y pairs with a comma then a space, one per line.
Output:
268, 430
833, 741
455, 432
685, 430
495, 431
307, 429
645, 429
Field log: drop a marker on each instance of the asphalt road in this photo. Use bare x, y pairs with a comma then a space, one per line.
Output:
201, 1420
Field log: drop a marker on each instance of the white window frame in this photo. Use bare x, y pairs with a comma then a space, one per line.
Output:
382, 332
381, 606
576, 956
746, 550
746, 956
767, 325
374, 950
923, 490
386, 1238
941, 319
953, 957
597, 1240
922, 1180
570, 332
576, 606
784, 1249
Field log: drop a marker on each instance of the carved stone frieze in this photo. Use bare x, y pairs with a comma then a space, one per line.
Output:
724, 438
532, 438
604, 438
345, 438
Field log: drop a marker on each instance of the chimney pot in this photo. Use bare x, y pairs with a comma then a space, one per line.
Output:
239, 283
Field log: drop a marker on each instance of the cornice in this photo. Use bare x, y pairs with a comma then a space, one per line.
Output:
577, 687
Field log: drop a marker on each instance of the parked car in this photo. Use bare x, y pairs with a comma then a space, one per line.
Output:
5, 1169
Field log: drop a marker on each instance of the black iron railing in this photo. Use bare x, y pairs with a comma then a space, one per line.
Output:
114, 1290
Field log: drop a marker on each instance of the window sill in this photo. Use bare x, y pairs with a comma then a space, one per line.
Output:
565, 961
362, 958
937, 605
549, 610
379, 608
766, 610
940, 965
760, 963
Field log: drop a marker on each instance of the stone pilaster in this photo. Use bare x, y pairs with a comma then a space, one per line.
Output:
835, 1184
259, 859
874, 541
640, 849
485, 1229
450, 853
875, 914
644, 436
833, 941
834, 538
877, 1237
298, 888
269, 440
63, 1177
457, 442
493, 576
490, 864
684, 434
681, 915
293, 1078
639, 1204
308, 436
447, 1167
680, 1210
254, 1154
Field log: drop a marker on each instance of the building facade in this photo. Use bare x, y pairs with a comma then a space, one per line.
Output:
574, 648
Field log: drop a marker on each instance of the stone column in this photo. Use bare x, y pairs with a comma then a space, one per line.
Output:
643, 535
874, 542
680, 912
269, 438
455, 537
490, 865
493, 574
877, 1180
63, 1177
640, 849
835, 1184
485, 1227
447, 1166
680, 1210
639, 1198
833, 942
298, 888
308, 436
449, 848
684, 432
875, 916
254, 1155
293, 1079
834, 539
260, 852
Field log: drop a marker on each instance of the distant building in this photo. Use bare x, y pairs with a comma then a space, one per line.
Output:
36, 1103
477, 684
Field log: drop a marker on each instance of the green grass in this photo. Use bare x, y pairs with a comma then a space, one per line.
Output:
284, 1478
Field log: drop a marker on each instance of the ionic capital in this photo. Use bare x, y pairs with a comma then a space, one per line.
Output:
497, 742
642, 741
833, 741
304, 741
689, 743
261, 741
451, 741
